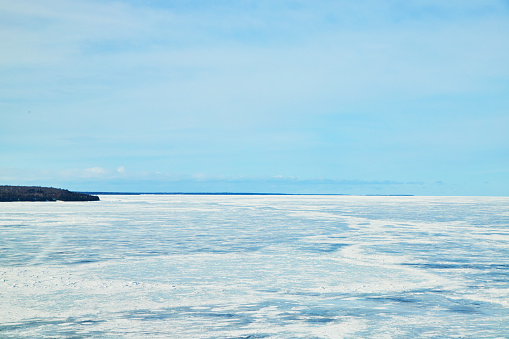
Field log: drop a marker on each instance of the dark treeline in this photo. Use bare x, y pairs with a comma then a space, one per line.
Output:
35, 193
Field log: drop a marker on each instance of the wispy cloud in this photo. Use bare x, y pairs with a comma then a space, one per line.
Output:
165, 48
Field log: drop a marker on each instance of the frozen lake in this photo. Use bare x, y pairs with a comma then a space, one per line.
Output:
180, 266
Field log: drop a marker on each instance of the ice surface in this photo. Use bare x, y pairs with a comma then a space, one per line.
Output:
255, 266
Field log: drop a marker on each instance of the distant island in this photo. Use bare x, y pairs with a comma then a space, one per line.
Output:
35, 193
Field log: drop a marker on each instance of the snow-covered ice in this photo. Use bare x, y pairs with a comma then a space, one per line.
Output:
160, 266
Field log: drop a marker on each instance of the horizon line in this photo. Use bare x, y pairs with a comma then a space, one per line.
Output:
233, 193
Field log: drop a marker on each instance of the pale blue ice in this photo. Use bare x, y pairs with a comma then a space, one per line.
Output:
179, 266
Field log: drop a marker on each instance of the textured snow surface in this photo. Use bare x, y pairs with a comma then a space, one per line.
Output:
255, 267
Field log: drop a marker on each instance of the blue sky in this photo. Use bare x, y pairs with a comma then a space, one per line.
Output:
354, 97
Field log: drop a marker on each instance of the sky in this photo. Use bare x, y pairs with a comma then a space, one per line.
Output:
289, 96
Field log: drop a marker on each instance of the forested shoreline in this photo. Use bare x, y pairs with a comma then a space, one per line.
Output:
36, 193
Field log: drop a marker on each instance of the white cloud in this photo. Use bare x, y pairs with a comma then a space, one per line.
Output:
94, 172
